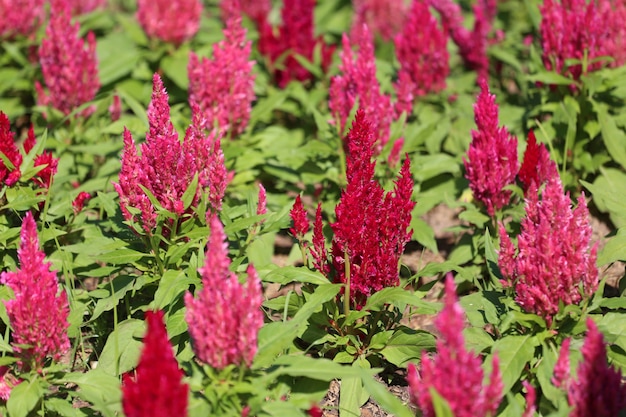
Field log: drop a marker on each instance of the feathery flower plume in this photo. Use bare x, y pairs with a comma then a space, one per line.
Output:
225, 317
167, 167
472, 44
9, 175
358, 83
221, 89
294, 37
577, 30
20, 17
372, 226
536, 165
262, 202
85, 6
554, 261
70, 68
172, 21
491, 162
257, 10
561, 376
43, 178
38, 313
318, 251
8, 381
300, 220
79, 201
455, 373
384, 17
531, 398
115, 109
598, 389
156, 390
422, 52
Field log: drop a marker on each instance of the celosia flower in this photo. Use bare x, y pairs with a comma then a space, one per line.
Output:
394, 154
300, 220
115, 109
42, 178
8, 381
598, 389
85, 6
221, 89
531, 398
79, 201
561, 376
422, 52
294, 37
554, 263
318, 251
358, 83
472, 44
9, 175
167, 167
257, 10
172, 21
70, 68
454, 373
491, 162
385, 17
38, 313
576, 30
156, 390
225, 317
20, 17
536, 165
261, 207
372, 226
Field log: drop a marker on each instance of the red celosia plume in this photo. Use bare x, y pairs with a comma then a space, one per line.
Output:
172, 21
384, 17
536, 165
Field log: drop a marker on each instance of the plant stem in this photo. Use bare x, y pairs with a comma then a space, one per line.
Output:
346, 295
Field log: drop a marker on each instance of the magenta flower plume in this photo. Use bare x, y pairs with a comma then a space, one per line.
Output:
225, 317
167, 167
156, 390
172, 21
491, 162
536, 166
20, 17
9, 175
472, 44
221, 89
294, 37
384, 17
300, 220
358, 83
38, 313
571, 29
257, 10
454, 372
598, 389
422, 52
85, 6
372, 226
554, 262
69, 66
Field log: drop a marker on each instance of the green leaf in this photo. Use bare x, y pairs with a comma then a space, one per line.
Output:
614, 249
171, 285
315, 368
122, 256
424, 234
63, 407
122, 349
351, 397
117, 57
117, 288
407, 345
613, 137
440, 405
100, 389
289, 274
24, 398
492, 257
387, 400
613, 327
546, 77
399, 297
514, 353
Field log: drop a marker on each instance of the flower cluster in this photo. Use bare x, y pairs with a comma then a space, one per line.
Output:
257, 10
221, 89
385, 17
371, 228
172, 21
554, 261
9, 175
294, 37
85, 6
491, 162
472, 44
167, 167
358, 83
20, 17
38, 313
454, 373
577, 30
422, 52
70, 68
536, 166
156, 389
225, 317
598, 389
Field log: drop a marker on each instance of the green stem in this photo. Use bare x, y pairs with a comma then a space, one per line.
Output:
346, 296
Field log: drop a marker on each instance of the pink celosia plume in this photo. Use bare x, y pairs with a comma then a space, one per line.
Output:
20, 17
422, 52
225, 317
357, 83
85, 6
38, 313
491, 161
221, 89
257, 10
69, 64
156, 389
554, 263
300, 220
167, 167
531, 398
384, 17
9, 175
536, 166
598, 389
115, 109
172, 21
295, 36
576, 30
455, 373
